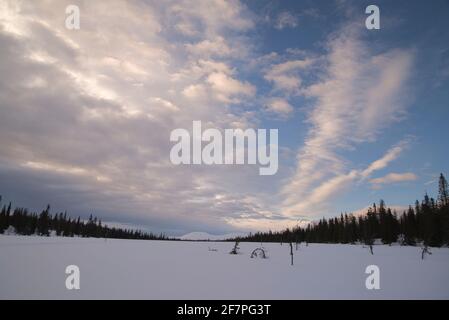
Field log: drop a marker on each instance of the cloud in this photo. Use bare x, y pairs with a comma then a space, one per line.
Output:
286, 20
399, 210
86, 115
264, 224
208, 17
195, 91
394, 177
217, 47
285, 75
228, 89
383, 162
279, 106
321, 193
360, 94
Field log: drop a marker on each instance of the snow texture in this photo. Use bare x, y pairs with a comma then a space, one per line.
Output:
34, 268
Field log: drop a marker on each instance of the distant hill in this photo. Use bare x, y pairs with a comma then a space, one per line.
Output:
207, 236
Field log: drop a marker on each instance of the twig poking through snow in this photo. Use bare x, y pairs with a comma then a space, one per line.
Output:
291, 251
425, 250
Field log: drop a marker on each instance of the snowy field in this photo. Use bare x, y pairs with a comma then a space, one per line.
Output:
34, 267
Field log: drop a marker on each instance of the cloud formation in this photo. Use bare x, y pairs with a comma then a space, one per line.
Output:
286, 20
360, 94
279, 106
285, 75
394, 177
86, 115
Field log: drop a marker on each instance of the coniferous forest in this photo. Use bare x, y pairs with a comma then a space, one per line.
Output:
44, 223
426, 222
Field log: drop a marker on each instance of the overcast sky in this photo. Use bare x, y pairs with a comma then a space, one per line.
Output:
86, 115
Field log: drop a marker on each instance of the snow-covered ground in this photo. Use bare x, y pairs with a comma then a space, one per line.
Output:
34, 267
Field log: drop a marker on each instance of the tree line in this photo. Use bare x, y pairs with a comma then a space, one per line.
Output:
44, 223
425, 222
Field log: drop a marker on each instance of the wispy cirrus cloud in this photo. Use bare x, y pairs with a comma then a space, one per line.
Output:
328, 188
388, 157
393, 178
360, 94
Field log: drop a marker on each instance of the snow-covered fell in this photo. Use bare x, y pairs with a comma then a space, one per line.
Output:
207, 236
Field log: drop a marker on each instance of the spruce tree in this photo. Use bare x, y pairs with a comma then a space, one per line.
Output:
443, 200
2, 217
443, 195
44, 222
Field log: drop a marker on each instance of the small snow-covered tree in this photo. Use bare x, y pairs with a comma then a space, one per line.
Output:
236, 248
